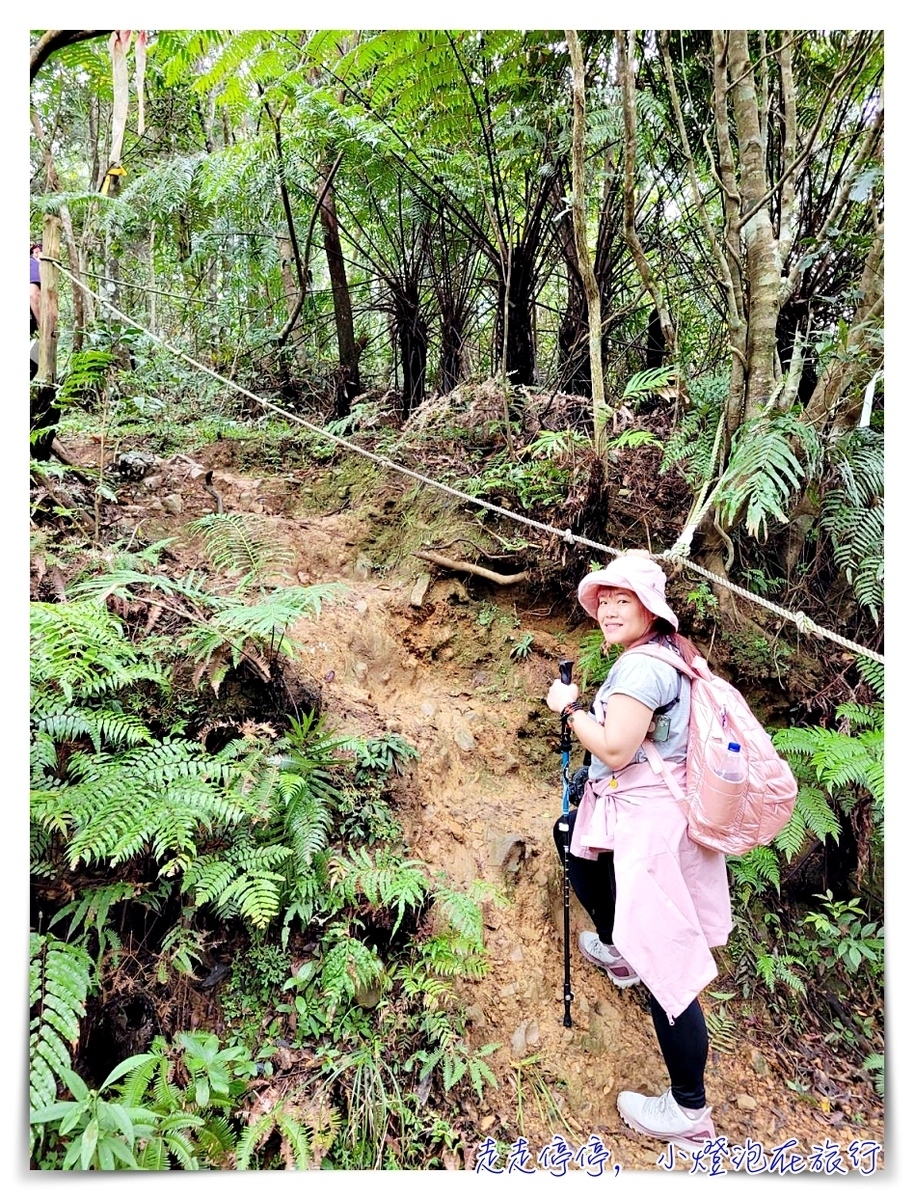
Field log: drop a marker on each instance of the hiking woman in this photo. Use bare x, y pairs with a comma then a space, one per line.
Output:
658, 900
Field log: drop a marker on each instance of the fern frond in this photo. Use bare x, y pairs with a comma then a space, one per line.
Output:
60, 975
80, 648
755, 870
243, 544
764, 472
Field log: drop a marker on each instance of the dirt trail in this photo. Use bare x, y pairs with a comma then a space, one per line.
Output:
480, 803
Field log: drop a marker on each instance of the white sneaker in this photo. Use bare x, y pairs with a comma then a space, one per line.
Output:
661, 1117
607, 957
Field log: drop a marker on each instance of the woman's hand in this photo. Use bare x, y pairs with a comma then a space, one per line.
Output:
561, 694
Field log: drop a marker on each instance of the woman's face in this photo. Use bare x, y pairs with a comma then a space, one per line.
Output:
622, 617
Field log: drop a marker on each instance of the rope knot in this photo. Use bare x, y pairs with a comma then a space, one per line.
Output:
676, 554
568, 536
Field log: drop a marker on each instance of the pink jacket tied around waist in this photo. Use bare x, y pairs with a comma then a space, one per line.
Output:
672, 896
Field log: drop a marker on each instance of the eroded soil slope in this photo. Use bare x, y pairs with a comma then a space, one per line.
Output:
480, 803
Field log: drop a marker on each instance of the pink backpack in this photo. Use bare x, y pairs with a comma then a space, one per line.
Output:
730, 816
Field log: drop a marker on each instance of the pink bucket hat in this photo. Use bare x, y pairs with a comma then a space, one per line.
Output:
635, 572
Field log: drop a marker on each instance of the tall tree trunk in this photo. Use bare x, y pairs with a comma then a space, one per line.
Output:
520, 340
53, 184
763, 268
452, 348
862, 354
629, 113
585, 265
349, 384
412, 341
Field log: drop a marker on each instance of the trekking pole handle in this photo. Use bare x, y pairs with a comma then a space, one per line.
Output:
565, 665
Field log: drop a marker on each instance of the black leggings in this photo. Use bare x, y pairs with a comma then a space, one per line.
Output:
684, 1043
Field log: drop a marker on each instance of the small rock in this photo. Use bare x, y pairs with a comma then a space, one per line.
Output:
360, 670
417, 597
508, 852
519, 1040
173, 504
746, 1103
533, 1033
361, 607
487, 1122
392, 724
464, 739
475, 1015
760, 1064
508, 991
428, 708
385, 677
152, 482
516, 955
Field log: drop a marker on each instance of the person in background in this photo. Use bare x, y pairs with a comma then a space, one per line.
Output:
35, 286
34, 305
658, 900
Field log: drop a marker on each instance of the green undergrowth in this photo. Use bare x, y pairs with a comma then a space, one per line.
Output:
277, 859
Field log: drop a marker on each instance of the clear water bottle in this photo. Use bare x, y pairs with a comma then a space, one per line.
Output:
730, 765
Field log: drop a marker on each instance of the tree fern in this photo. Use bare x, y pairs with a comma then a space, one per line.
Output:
60, 975
764, 472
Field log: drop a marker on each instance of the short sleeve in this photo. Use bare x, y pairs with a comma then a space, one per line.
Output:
652, 682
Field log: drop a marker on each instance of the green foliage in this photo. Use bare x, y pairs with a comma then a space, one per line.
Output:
632, 439
876, 1064
97, 1134
60, 976
595, 659
86, 375
79, 648
847, 938
691, 442
853, 514
383, 879
540, 483
764, 471
752, 873
243, 544
703, 599
248, 996
647, 383
89, 914
845, 763
522, 647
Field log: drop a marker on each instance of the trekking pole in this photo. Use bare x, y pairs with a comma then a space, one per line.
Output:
565, 665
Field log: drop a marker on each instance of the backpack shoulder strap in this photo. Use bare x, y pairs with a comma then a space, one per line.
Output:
670, 657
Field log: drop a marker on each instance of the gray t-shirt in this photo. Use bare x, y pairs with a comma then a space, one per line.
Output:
654, 683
